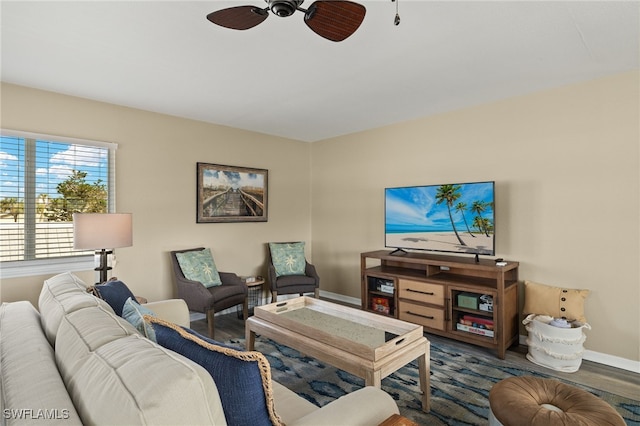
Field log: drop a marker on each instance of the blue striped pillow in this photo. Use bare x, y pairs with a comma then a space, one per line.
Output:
243, 378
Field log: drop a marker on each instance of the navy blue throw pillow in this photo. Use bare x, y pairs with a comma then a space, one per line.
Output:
243, 378
115, 293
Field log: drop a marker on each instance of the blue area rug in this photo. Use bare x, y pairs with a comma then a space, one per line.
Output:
460, 383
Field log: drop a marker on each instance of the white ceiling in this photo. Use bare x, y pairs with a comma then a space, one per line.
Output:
282, 79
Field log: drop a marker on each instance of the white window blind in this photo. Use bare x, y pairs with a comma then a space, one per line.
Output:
43, 181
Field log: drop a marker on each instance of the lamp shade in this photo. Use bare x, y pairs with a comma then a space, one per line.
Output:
95, 231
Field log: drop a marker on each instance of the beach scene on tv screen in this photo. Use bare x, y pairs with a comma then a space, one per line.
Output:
452, 218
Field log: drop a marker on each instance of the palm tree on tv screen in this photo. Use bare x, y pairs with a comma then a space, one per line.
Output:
449, 194
479, 207
461, 207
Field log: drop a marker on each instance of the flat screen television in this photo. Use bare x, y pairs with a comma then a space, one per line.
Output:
457, 218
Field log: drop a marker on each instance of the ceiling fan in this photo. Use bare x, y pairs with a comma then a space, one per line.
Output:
331, 19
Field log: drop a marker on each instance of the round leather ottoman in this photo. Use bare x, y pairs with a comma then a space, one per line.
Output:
526, 400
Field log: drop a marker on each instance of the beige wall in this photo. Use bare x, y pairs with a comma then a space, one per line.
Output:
565, 161
566, 166
156, 177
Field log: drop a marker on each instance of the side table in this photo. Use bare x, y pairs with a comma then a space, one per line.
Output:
398, 420
254, 295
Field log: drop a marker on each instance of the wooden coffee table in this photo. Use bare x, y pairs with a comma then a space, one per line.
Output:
364, 344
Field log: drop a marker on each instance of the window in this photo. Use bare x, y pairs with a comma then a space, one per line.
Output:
43, 181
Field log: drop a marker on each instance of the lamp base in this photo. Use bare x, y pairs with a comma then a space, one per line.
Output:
104, 264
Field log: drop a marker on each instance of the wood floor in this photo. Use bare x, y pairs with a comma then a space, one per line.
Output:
599, 376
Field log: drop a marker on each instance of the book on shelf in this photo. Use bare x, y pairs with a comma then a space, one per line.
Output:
474, 330
381, 304
476, 322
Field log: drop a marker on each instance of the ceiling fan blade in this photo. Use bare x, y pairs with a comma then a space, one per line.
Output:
238, 18
334, 20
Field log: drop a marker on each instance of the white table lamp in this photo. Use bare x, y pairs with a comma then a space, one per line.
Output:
102, 232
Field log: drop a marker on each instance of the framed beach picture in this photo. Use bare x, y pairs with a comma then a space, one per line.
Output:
231, 194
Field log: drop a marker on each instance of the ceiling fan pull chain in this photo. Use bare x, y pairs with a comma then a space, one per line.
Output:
396, 20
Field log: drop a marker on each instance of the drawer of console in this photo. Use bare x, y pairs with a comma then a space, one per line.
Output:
423, 315
421, 291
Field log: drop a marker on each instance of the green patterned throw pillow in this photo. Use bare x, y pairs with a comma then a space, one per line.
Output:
288, 258
199, 266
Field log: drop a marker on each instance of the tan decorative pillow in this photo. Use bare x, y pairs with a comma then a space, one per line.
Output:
541, 299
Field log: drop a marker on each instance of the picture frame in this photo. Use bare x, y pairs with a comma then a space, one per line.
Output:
231, 194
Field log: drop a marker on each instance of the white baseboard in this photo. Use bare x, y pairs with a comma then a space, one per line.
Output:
600, 358
605, 359
196, 316
612, 361
340, 298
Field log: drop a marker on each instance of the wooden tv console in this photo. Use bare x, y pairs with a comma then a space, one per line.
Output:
443, 294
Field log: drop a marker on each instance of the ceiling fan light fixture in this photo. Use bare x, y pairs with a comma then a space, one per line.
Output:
284, 8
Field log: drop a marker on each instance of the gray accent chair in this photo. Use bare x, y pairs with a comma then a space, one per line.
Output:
293, 284
210, 300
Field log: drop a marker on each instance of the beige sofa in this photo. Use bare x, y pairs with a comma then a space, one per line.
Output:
103, 371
